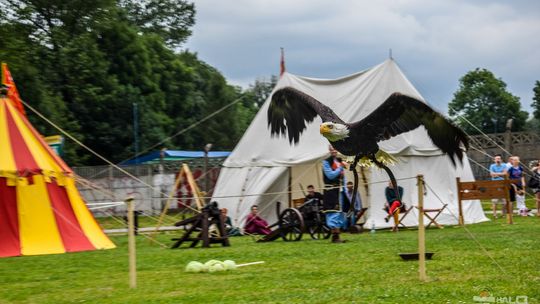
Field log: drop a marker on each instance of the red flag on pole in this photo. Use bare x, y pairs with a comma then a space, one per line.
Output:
282, 63
12, 94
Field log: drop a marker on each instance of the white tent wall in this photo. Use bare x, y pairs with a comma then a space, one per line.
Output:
241, 188
260, 163
304, 175
440, 179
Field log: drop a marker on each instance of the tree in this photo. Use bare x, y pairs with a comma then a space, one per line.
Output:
484, 101
170, 19
261, 90
84, 64
536, 100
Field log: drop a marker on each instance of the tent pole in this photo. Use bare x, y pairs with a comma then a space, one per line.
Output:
421, 230
290, 187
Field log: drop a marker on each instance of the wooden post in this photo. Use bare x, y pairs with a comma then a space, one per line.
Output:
461, 222
509, 207
289, 189
194, 187
421, 230
131, 245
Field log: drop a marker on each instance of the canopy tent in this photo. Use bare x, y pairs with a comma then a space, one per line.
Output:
174, 155
41, 210
263, 170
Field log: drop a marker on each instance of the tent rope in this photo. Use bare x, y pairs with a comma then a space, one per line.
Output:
178, 133
471, 235
491, 140
94, 152
144, 235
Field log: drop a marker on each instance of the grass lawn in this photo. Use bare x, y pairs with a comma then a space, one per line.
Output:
367, 269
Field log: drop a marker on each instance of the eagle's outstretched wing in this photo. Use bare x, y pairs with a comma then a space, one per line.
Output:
290, 109
401, 113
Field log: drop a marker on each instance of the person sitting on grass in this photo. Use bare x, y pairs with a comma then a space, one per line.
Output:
229, 228
393, 203
256, 224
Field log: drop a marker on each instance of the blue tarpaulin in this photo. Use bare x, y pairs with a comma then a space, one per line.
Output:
172, 155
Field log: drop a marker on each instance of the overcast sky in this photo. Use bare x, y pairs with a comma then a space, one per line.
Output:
434, 42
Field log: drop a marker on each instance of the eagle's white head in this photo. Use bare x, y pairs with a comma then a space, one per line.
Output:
334, 131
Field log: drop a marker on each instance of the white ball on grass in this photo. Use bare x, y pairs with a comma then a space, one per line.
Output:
194, 266
216, 267
229, 264
211, 262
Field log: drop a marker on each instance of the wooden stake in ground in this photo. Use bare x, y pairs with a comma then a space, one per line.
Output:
131, 245
509, 207
421, 230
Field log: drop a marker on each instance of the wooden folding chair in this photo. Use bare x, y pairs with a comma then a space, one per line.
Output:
432, 218
402, 217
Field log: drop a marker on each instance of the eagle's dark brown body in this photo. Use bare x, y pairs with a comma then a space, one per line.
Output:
291, 109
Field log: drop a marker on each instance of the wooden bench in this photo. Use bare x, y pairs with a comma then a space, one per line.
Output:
486, 189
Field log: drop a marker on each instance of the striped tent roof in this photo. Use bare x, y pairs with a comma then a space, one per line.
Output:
41, 210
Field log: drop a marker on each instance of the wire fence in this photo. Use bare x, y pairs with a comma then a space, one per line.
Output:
103, 184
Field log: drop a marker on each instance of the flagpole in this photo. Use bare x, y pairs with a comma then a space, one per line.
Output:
282, 63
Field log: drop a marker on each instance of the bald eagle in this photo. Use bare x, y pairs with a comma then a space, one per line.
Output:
290, 110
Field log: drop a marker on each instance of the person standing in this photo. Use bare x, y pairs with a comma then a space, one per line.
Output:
510, 161
517, 191
333, 176
497, 171
535, 185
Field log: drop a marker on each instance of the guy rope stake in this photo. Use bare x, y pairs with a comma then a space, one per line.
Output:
421, 230
131, 244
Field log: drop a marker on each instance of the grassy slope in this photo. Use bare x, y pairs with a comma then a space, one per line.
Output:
364, 270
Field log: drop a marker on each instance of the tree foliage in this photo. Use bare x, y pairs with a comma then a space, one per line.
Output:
483, 101
86, 64
170, 19
536, 100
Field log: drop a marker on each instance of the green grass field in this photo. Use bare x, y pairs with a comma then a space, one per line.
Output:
367, 269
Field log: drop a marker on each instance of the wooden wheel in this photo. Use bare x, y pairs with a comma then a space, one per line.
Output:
291, 225
318, 230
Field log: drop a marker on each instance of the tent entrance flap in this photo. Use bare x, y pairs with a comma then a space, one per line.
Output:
303, 176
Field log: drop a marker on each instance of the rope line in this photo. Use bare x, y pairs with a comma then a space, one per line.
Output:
104, 206
179, 132
144, 235
486, 252
94, 152
490, 139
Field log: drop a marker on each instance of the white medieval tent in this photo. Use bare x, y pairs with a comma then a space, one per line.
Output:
263, 170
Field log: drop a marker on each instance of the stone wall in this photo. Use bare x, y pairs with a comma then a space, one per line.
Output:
526, 145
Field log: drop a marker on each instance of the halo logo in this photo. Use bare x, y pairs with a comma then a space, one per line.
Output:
485, 296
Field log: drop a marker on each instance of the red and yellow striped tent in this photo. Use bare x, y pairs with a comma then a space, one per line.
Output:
41, 210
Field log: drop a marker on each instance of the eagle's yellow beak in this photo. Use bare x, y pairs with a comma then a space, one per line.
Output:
324, 129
